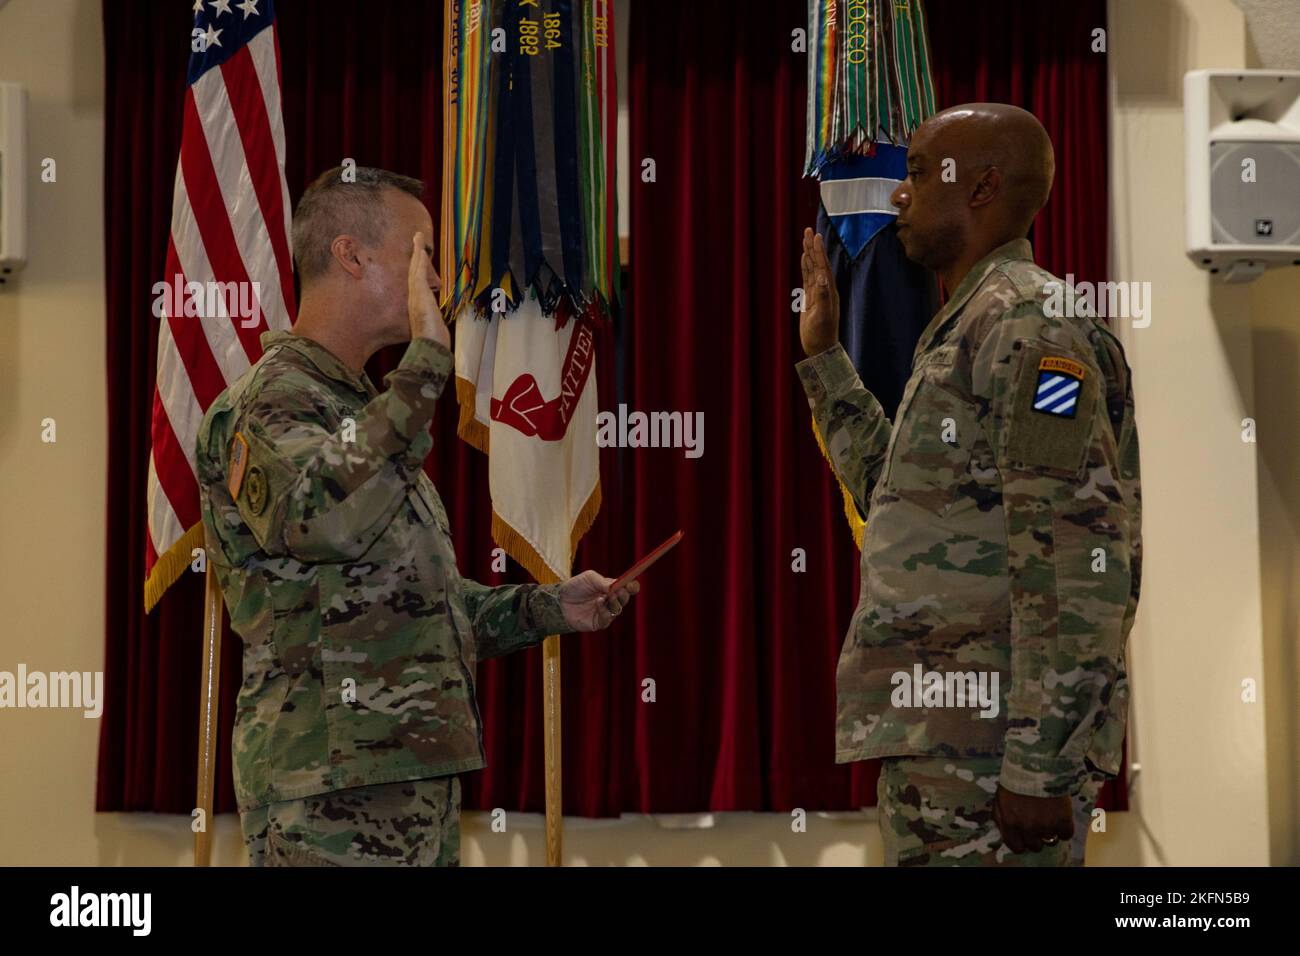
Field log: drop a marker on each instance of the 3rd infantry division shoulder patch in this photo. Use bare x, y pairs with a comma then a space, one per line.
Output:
1059, 379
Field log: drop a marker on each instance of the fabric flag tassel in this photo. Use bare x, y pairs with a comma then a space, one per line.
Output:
544, 275
870, 73
466, 129
869, 77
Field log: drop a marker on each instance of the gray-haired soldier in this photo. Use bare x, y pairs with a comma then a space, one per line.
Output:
1002, 557
332, 547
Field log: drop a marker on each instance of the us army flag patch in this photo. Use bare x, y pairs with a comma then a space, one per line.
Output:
1059, 380
238, 460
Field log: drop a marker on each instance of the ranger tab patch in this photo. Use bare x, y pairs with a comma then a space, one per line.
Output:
1059, 380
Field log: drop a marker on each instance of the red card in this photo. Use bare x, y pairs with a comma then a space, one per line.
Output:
634, 572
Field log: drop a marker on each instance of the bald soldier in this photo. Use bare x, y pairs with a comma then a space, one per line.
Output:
1000, 567
357, 711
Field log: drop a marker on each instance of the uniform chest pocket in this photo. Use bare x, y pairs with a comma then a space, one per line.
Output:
427, 505
421, 507
934, 436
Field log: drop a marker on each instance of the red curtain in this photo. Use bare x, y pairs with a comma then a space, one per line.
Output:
1039, 56
741, 648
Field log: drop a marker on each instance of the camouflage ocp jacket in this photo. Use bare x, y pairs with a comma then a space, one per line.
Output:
1003, 535
333, 551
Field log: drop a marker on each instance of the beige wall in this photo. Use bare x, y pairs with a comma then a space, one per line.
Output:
1218, 607
1274, 43
1275, 340
52, 495
1218, 782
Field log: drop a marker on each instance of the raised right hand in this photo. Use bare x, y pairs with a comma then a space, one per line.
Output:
819, 323
421, 303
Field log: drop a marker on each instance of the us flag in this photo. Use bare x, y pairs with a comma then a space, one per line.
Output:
229, 273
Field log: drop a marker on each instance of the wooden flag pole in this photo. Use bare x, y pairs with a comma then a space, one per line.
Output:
209, 708
551, 734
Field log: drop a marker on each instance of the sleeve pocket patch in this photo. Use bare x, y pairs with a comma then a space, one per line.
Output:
265, 483
1053, 401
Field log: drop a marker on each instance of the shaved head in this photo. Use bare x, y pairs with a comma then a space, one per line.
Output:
979, 135
977, 176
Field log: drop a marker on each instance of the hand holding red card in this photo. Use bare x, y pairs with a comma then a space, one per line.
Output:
589, 605
634, 572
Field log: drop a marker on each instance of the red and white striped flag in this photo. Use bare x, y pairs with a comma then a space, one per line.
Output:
229, 271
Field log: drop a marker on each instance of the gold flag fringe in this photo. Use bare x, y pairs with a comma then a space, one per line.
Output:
468, 427
856, 524
519, 547
171, 564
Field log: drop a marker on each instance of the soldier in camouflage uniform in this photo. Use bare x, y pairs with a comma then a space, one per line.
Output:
332, 548
1003, 511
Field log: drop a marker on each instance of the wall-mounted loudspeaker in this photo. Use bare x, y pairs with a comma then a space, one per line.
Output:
1242, 131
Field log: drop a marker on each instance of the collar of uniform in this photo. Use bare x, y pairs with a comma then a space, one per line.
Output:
1015, 249
325, 360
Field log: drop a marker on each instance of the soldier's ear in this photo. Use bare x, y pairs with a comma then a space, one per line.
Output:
986, 186
346, 251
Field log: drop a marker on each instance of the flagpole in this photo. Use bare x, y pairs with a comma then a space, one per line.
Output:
552, 737
209, 708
